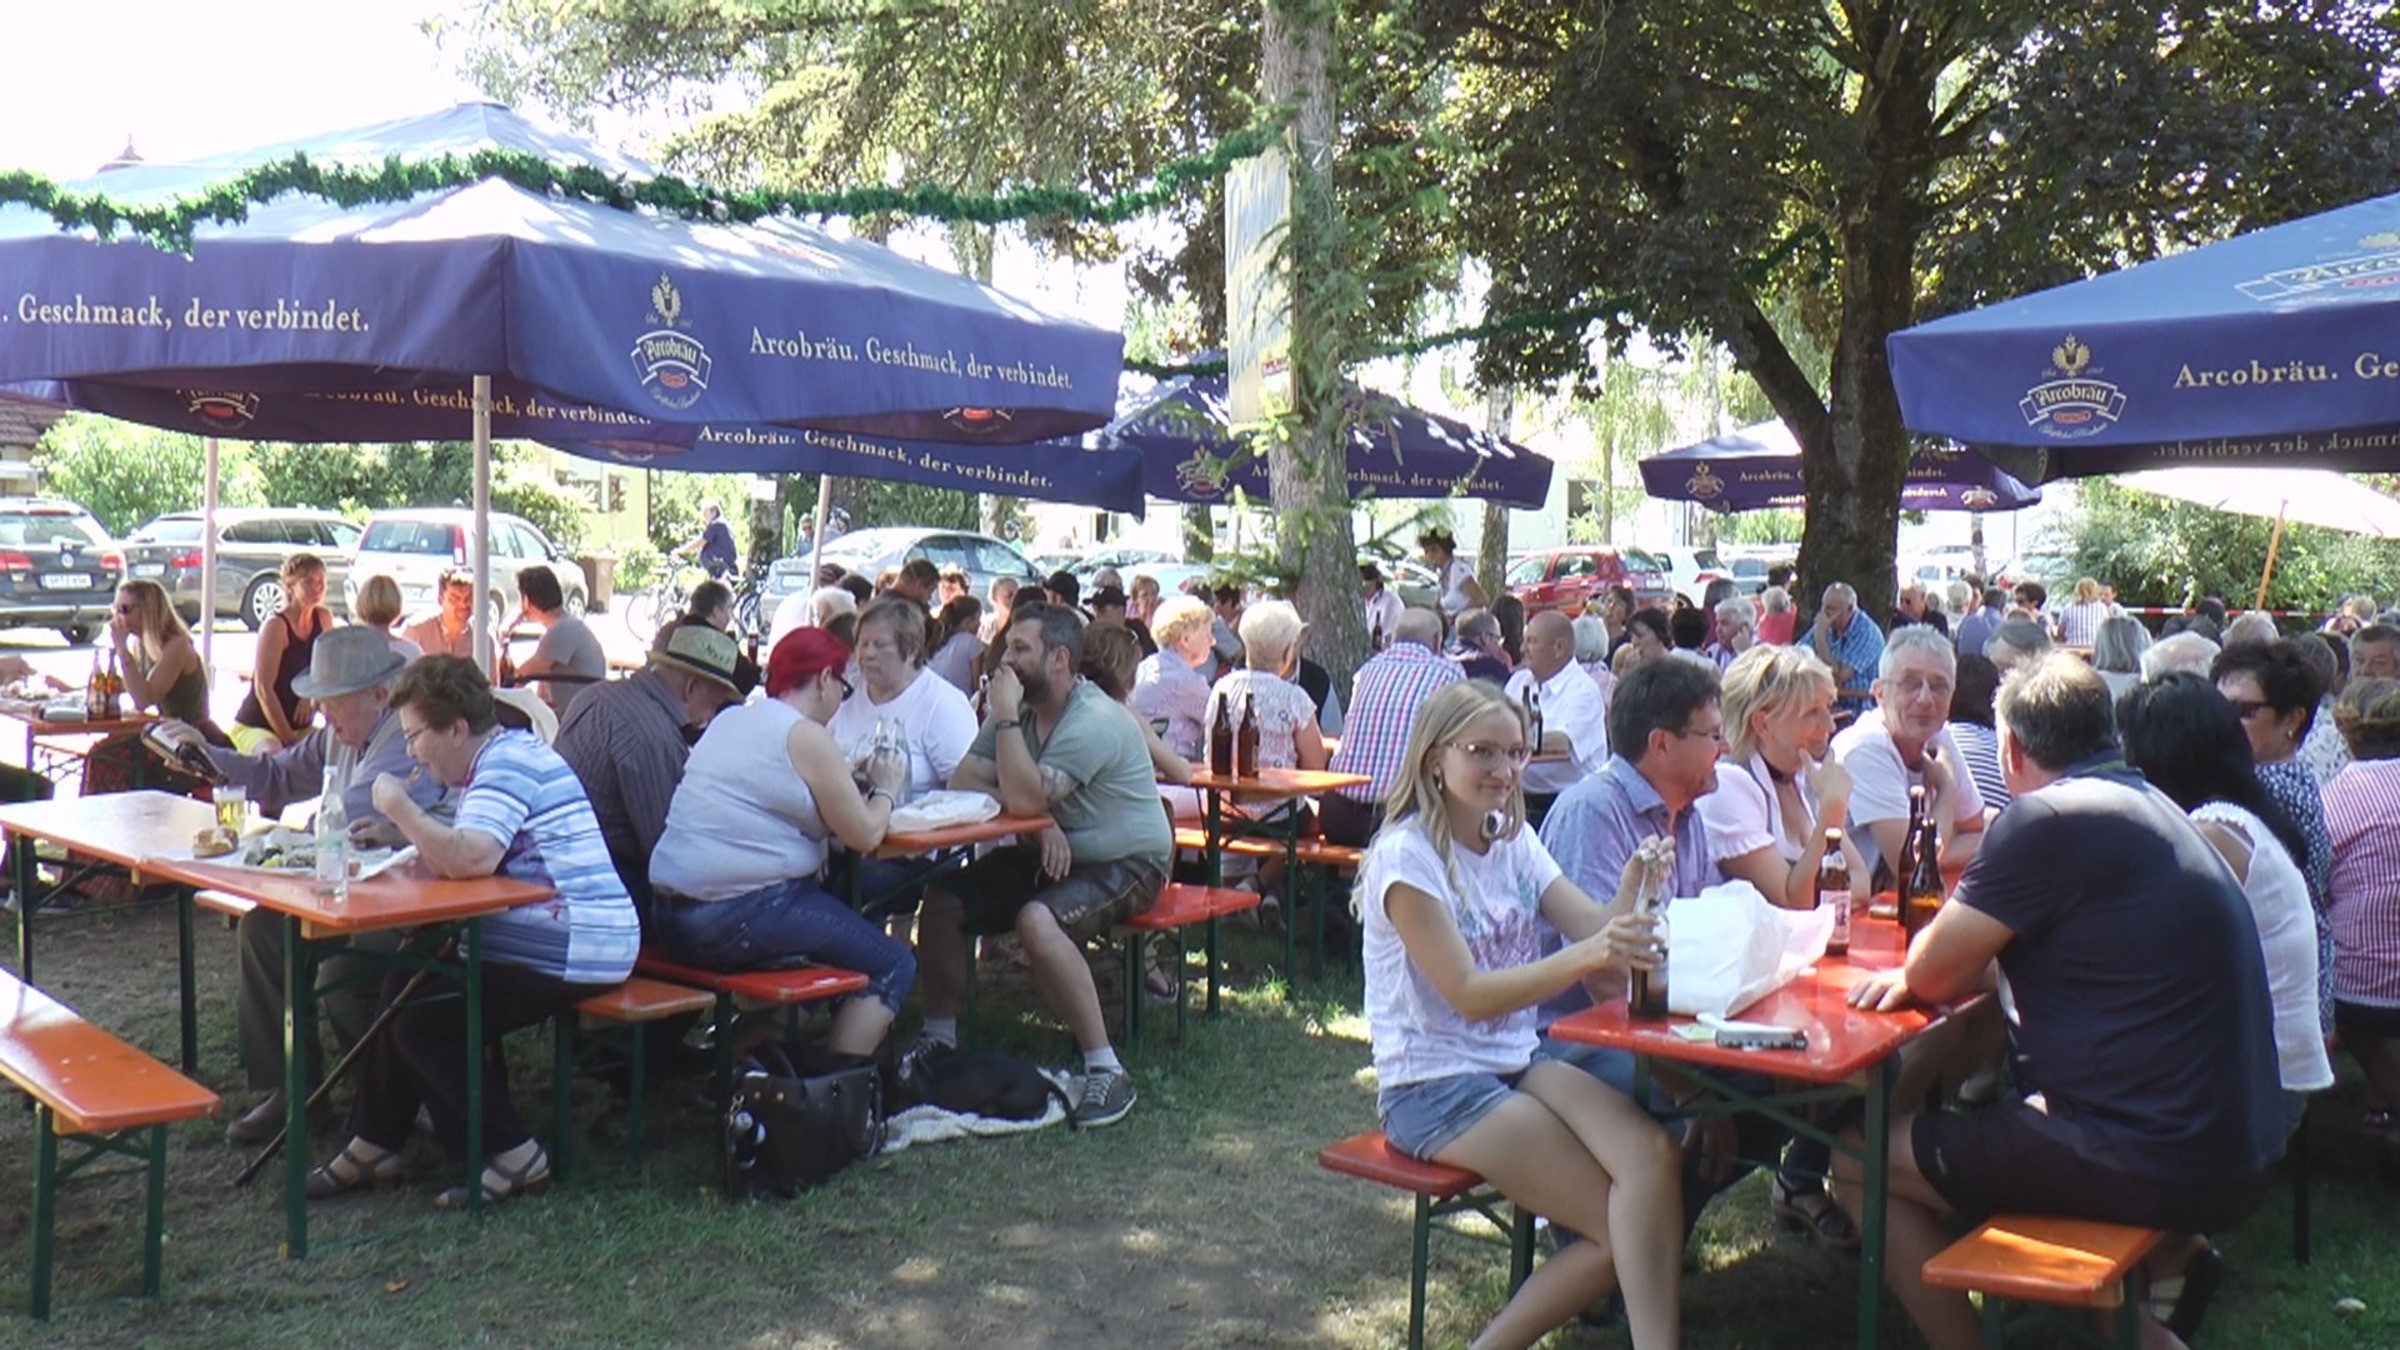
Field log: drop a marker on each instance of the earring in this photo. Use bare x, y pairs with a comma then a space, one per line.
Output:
1493, 823
1440, 784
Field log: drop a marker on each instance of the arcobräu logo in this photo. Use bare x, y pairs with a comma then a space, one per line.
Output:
674, 365
1704, 485
2074, 402
219, 410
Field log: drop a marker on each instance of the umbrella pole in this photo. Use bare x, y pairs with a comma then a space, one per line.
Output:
2274, 542
480, 541
816, 539
208, 558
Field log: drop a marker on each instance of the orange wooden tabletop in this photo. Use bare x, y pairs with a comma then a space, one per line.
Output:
900, 844
1278, 782
124, 828
398, 898
1842, 1041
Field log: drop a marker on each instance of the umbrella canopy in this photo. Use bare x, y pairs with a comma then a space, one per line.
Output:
554, 298
2273, 347
1759, 467
2299, 496
1183, 428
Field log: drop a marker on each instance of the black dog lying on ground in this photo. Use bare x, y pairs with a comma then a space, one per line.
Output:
1000, 1087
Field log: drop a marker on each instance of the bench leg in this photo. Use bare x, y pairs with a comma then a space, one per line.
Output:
45, 1204
1419, 1240
1520, 1249
186, 983
1995, 1322
1135, 977
2298, 1149
635, 1088
562, 1090
724, 1050
154, 1231
2129, 1314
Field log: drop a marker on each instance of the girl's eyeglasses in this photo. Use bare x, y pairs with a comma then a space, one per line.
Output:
1490, 756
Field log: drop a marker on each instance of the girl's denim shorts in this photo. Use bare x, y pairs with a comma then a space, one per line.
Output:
1422, 1119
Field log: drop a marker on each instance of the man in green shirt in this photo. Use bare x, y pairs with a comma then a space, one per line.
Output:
1052, 744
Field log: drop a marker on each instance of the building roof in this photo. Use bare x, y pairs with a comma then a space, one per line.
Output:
23, 423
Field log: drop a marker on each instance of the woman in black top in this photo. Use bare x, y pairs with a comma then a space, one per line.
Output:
265, 724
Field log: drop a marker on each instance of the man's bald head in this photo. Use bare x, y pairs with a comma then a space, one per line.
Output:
1549, 643
1421, 626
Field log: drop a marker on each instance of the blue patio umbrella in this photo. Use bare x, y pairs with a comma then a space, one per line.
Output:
381, 312
2281, 346
1183, 428
676, 320
1759, 467
1056, 471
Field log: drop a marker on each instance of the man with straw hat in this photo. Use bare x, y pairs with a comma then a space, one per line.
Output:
349, 676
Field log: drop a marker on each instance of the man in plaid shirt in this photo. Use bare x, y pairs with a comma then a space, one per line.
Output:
1383, 701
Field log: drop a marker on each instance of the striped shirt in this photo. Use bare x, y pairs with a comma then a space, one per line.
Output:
2362, 817
1384, 699
521, 793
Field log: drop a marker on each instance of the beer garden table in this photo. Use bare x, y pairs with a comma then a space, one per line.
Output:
1267, 785
937, 847
1850, 1053
46, 751
404, 897
120, 828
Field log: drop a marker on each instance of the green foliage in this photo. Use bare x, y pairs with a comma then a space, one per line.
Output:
637, 567
2161, 552
1760, 527
552, 509
1880, 153
125, 474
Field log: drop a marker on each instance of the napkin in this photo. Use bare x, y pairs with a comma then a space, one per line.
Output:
940, 810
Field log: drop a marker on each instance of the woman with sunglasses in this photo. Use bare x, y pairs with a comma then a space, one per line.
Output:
2274, 690
739, 872
163, 674
1453, 897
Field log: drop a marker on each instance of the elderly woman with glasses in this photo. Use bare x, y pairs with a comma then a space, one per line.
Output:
2274, 690
1737, 631
1454, 895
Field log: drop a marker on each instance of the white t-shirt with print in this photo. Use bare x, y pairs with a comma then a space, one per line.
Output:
1495, 900
933, 716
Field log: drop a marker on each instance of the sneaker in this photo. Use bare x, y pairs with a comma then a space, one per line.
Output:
1107, 1097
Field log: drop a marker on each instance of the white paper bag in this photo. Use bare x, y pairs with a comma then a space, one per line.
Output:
945, 808
1727, 948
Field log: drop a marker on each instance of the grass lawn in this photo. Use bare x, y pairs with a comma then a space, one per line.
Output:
1202, 1220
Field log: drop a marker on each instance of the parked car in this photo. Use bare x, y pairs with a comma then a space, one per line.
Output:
1567, 578
1689, 570
2055, 571
58, 568
868, 552
415, 547
1748, 575
251, 547
1127, 561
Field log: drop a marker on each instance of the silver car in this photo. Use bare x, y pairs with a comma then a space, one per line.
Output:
415, 547
252, 544
868, 552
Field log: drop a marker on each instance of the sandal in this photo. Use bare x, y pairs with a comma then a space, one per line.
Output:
1812, 1211
503, 1183
2178, 1302
352, 1170
1156, 982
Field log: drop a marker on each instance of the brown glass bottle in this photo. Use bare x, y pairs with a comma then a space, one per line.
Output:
1245, 743
1923, 895
1220, 739
1833, 888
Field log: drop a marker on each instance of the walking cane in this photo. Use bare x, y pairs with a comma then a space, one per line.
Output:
367, 1038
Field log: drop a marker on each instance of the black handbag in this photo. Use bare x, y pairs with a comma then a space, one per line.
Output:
799, 1114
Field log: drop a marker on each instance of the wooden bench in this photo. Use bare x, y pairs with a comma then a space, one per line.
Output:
623, 1014
1438, 1190
2052, 1262
1179, 907
774, 988
1319, 861
235, 908
98, 1093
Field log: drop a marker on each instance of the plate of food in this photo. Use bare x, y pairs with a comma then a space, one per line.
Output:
288, 851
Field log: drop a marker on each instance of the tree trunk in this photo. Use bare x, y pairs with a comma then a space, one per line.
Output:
1315, 542
1199, 533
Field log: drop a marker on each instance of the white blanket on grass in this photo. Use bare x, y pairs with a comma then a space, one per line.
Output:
933, 1125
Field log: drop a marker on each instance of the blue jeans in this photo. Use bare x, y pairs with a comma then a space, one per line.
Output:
791, 923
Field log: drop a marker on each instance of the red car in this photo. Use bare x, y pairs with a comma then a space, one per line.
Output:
1568, 578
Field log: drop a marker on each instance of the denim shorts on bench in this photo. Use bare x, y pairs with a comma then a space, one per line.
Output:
1422, 1119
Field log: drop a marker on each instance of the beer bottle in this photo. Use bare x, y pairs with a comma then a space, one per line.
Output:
1833, 888
1220, 738
1375, 636
1646, 990
94, 690
1245, 741
1533, 716
1923, 895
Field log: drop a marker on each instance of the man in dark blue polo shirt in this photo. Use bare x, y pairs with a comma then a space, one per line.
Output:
2135, 995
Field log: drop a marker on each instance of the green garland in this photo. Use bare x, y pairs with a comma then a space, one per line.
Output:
169, 226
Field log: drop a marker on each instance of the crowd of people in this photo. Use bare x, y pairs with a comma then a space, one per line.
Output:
2088, 786
1526, 778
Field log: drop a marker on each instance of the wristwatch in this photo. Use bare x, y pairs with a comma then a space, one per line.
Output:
1010, 724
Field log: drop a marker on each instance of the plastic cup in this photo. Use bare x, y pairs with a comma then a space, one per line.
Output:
233, 807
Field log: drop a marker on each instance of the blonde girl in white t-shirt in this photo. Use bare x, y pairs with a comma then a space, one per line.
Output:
1453, 896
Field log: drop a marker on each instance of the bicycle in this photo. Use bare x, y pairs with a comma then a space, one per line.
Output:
646, 610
